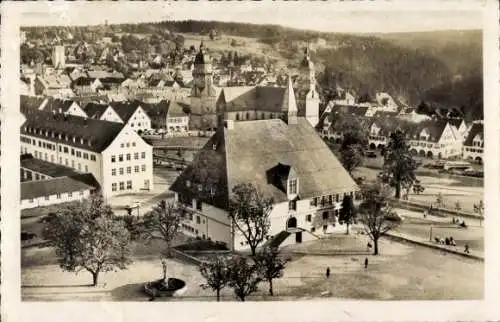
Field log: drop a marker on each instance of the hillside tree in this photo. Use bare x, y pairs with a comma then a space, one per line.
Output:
163, 221
86, 236
399, 165
249, 210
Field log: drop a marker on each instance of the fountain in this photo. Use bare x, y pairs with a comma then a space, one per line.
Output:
166, 286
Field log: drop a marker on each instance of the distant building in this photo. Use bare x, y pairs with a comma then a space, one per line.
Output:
435, 139
132, 114
286, 160
473, 149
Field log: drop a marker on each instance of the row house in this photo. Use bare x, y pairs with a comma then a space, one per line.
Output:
119, 159
132, 114
52, 85
169, 115
305, 180
435, 139
328, 127
473, 148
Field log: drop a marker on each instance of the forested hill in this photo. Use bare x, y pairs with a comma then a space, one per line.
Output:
410, 66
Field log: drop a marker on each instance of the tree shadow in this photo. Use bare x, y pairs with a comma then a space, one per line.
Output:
133, 292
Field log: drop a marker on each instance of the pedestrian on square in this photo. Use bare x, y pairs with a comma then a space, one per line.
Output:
366, 262
328, 272
466, 250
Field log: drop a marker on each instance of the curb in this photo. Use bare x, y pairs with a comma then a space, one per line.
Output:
433, 246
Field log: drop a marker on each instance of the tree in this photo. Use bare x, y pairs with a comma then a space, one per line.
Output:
375, 212
271, 264
347, 212
351, 157
165, 219
244, 277
86, 237
249, 211
399, 165
354, 142
216, 273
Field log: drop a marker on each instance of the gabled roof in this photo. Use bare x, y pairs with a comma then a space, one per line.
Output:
97, 135
41, 188
57, 105
476, 129
125, 109
246, 153
177, 109
434, 127
261, 98
31, 102
95, 110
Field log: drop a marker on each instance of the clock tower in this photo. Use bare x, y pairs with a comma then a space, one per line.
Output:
203, 93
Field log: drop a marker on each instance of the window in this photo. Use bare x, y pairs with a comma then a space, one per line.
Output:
143, 155
129, 170
330, 199
37, 176
122, 145
292, 205
136, 156
113, 158
113, 186
292, 187
337, 197
121, 171
120, 158
58, 196
72, 151
79, 167
133, 144
198, 204
313, 229
86, 168
70, 194
47, 197
143, 168
66, 162
81, 193
136, 168
85, 155
113, 172
122, 186
92, 157
129, 185
308, 218
128, 144
325, 215
73, 164
314, 202
198, 220
128, 156
237, 116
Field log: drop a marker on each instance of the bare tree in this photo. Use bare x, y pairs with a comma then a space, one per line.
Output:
164, 219
216, 273
245, 277
376, 213
249, 211
271, 264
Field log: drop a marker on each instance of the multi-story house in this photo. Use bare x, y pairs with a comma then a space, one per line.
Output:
119, 159
473, 149
168, 115
62, 106
435, 139
101, 111
284, 159
132, 114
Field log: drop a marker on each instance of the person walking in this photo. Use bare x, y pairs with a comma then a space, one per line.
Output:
328, 272
466, 250
366, 262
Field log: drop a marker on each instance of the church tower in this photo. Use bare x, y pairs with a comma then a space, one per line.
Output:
312, 96
203, 93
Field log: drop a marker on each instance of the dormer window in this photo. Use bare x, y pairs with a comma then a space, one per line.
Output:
292, 186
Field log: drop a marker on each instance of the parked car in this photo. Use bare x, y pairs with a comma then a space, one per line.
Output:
371, 154
394, 217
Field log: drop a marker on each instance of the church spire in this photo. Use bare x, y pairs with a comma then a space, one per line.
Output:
289, 103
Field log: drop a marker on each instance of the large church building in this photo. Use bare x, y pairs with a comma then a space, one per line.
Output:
211, 106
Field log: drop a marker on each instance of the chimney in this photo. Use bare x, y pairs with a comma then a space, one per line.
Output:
230, 124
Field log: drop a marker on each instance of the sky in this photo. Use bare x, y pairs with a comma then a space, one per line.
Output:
321, 16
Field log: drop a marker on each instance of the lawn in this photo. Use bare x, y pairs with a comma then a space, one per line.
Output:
401, 272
